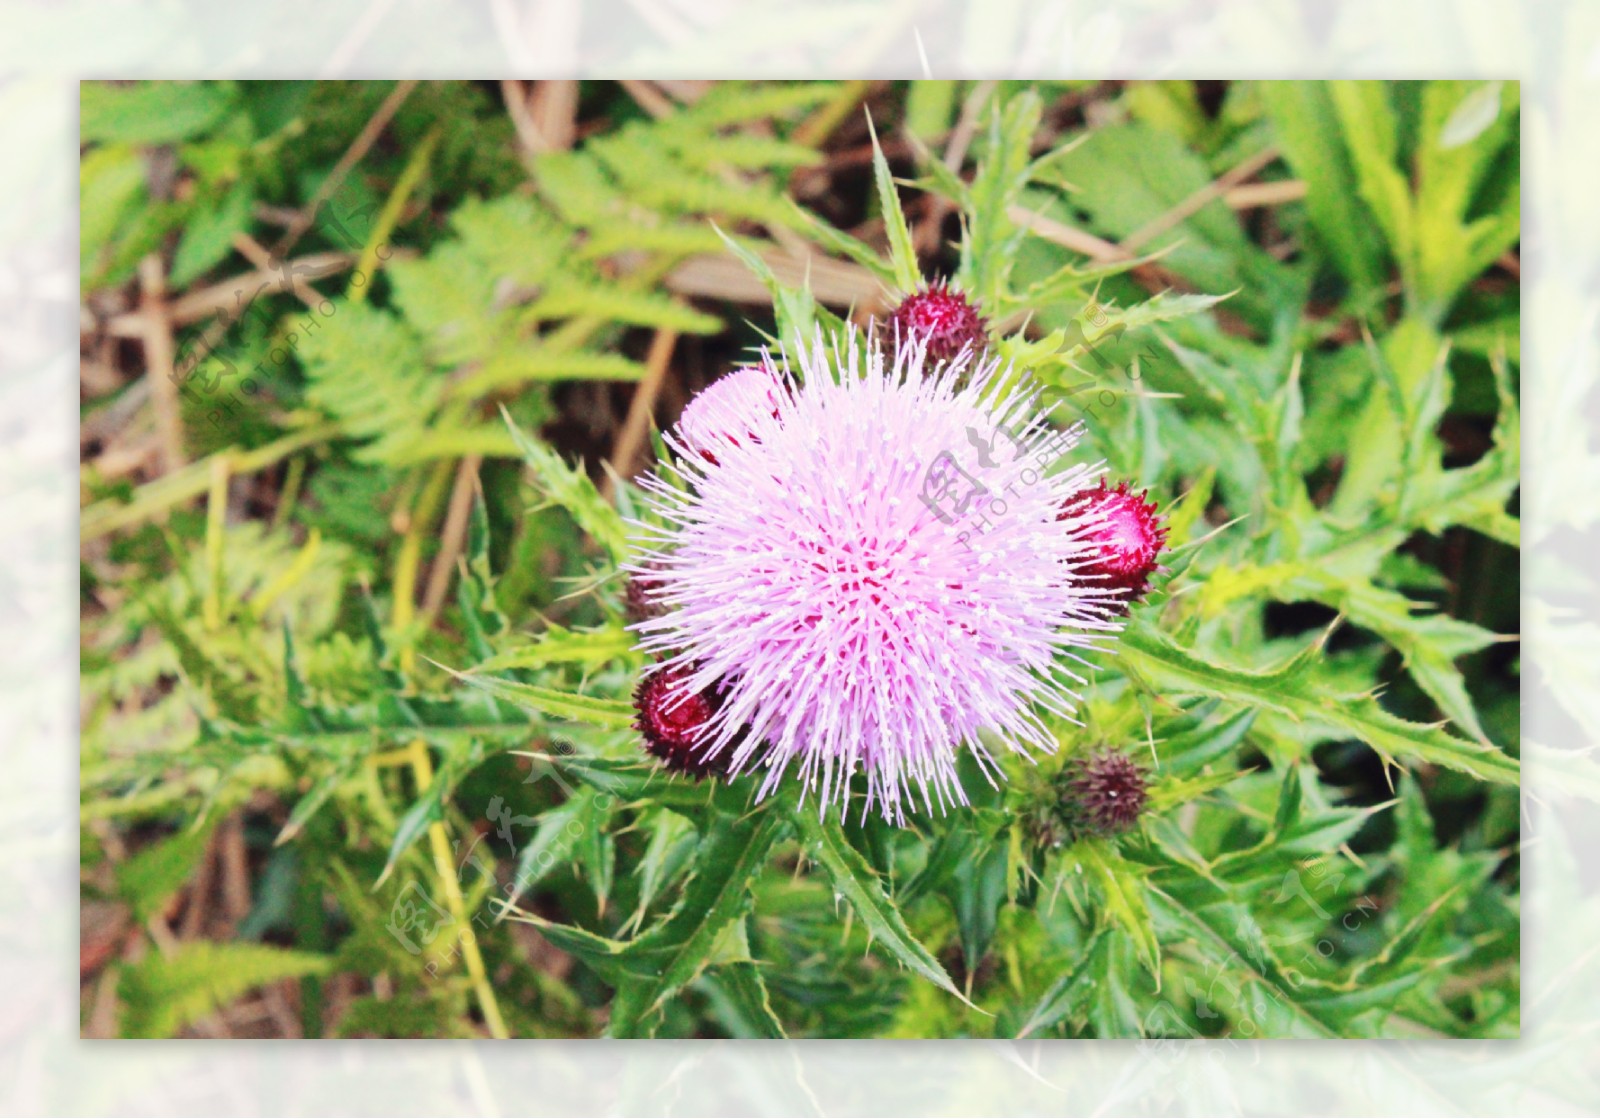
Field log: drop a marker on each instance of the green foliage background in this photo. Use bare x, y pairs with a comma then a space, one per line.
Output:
450, 829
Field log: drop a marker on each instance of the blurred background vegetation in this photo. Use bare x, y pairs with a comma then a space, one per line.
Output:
310, 309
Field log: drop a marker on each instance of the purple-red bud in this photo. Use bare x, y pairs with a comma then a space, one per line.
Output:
1128, 536
674, 724
1106, 792
943, 319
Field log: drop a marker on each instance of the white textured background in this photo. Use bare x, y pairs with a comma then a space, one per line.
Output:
1553, 46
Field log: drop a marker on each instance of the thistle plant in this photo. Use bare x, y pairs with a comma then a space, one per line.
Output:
1049, 633
1127, 535
869, 604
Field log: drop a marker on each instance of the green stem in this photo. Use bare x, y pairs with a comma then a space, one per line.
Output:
389, 216
193, 480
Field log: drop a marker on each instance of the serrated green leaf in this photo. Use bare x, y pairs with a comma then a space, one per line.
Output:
563, 646
521, 365
992, 236
1304, 116
1189, 752
1288, 813
611, 713
1065, 997
366, 370
902, 250
424, 813
148, 879
1229, 938
311, 803
795, 309
977, 892
158, 112
1288, 689
841, 243
208, 238
554, 841
572, 490
615, 304
161, 995
672, 840
1122, 890
655, 966
739, 998
475, 589
672, 952
1428, 643
857, 883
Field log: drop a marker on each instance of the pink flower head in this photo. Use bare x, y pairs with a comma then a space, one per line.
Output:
876, 575
724, 413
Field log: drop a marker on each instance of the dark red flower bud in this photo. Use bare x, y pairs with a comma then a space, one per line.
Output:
674, 723
1104, 793
1126, 532
943, 319
639, 597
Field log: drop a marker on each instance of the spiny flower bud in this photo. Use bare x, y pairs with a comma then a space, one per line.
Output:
639, 598
1126, 534
725, 413
943, 319
1103, 793
674, 721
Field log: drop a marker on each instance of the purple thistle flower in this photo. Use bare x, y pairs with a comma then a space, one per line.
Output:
856, 629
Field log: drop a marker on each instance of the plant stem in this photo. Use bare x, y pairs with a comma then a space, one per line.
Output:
817, 127
410, 558
405, 585
289, 494
389, 216
439, 842
216, 522
192, 481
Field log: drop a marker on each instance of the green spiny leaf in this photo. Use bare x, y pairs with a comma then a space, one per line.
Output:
1122, 890
147, 880
855, 882
902, 250
1290, 690
611, 713
572, 490
161, 994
